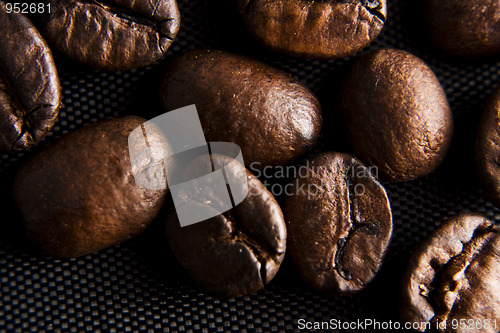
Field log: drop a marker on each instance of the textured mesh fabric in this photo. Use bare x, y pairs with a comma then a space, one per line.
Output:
138, 285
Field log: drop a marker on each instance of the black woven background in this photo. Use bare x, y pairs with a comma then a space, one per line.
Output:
138, 286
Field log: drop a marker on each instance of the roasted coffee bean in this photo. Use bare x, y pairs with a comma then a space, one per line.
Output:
112, 34
396, 114
339, 223
452, 279
314, 29
78, 195
271, 116
30, 93
468, 28
488, 149
237, 252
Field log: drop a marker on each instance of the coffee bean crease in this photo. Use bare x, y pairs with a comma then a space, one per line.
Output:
112, 34
339, 223
368, 228
132, 16
450, 277
20, 115
260, 251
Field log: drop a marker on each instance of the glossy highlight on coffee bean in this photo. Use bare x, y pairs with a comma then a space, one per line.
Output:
396, 114
78, 194
269, 114
112, 34
30, 92
314, 29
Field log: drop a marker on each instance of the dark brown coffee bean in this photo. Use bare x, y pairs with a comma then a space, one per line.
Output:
113, 34
339, 223
314, 29
30, 93
78, 195
488, 149
468, 28
271, 116
452, 279
396, 114
237, 252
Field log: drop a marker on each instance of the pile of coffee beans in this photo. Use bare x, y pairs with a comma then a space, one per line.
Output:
78, 195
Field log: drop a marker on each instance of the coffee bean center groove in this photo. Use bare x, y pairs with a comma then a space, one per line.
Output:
367, 227
449, 276
130, 15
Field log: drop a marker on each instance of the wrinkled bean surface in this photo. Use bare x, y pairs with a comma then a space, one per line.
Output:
453, 276
112, 34
314, 29
30, 93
